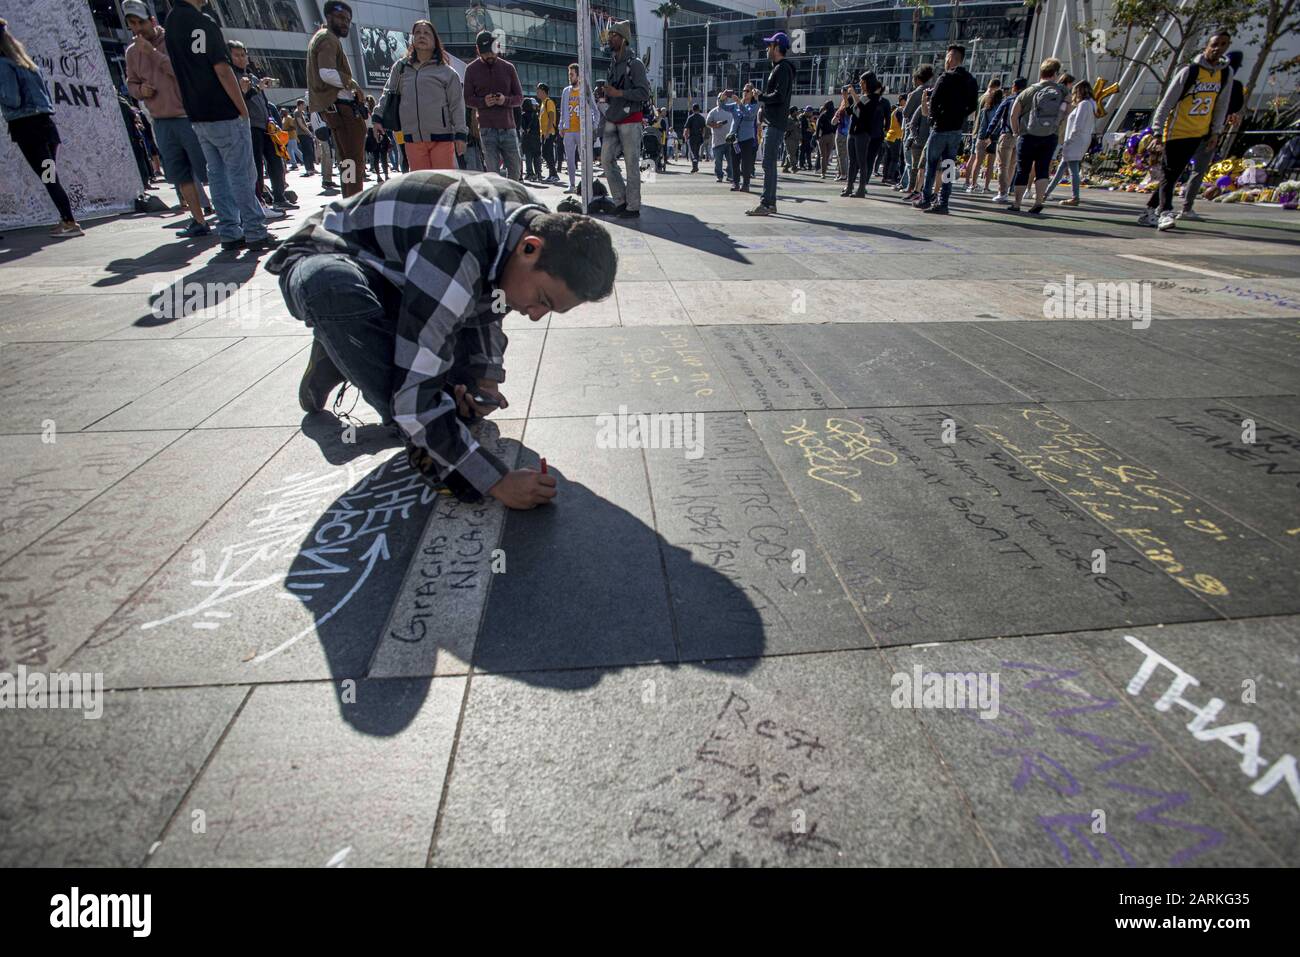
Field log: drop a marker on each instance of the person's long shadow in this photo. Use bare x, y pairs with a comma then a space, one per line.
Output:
565, 613
217, 283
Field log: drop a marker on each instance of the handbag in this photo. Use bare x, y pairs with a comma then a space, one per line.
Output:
388, 112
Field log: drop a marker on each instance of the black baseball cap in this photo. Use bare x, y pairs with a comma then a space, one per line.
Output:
334, 6
484, 41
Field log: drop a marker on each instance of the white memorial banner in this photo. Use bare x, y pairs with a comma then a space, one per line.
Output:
95, 163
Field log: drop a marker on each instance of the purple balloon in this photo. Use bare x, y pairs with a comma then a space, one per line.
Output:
1224, 181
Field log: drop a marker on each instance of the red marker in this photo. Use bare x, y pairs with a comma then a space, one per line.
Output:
543, 466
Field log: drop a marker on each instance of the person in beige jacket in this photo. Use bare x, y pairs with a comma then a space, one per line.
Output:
150, 79
335, 95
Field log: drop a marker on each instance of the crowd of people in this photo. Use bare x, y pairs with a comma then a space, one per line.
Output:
200, 116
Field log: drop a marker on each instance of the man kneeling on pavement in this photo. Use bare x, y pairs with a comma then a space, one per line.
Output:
405, 287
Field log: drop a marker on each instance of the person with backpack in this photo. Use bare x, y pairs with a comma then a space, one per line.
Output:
1204, 156
775, 100
431, 105
1192, 110
955, 97
1004, 141
1079, 127
866, 133
1035, 118
916, 129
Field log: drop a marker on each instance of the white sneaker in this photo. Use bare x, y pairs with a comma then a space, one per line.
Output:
1191, 215
1167, 221
1148, 217
972, 188
1001, 198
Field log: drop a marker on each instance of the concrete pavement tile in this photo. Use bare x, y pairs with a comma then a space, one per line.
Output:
937, 541
60, 588
1201, 445
1021, 371
119, 372
584, 584
728, 510
1208, 552
45, 482
1061, 772
764, 371
97, 793
191, 397
1245, 753
784, 762
291, 580
1124, 365
438, 610
319, 774
594, 371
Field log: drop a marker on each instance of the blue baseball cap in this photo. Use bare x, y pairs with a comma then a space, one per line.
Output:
780, 39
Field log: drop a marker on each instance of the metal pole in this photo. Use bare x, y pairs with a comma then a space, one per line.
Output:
1089, 63
704, 94
584, 98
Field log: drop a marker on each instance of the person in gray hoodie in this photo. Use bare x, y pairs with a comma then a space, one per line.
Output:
1194, 107
432, 106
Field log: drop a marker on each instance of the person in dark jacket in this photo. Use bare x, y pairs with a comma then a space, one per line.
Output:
866, 132
825, 134
530, 139
955, 97
775, 100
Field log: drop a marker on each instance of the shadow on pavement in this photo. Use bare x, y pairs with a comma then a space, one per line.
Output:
351, 566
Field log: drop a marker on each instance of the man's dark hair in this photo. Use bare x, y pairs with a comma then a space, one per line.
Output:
574, 66
923, 75
544, 88
695, 108
960, 50
1219, 32
1020, 84
577, 251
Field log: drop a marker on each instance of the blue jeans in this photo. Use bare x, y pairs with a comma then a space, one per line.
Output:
232, 179
347, 307
772, 141
1073, 167
721, 153
499, 146
938, 148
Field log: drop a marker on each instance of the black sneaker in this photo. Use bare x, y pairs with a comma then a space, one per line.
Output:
626, 213
937, 210
319, 380
229, 244
1036, 208
266, 242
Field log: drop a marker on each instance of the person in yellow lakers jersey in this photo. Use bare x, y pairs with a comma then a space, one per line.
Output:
1193, 108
